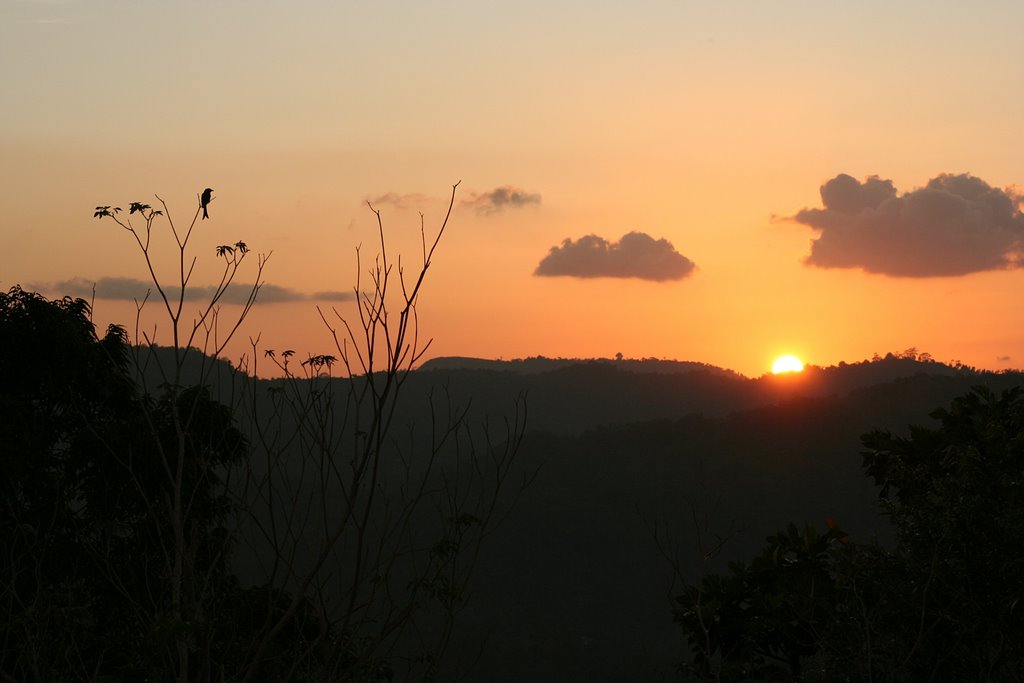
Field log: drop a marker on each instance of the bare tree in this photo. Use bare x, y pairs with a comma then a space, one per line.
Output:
378, 529
324, 538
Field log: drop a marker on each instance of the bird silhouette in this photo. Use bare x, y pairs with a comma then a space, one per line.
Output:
205, 200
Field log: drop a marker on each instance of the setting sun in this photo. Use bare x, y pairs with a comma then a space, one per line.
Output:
787, 364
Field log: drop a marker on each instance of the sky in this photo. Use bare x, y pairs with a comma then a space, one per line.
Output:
722, 182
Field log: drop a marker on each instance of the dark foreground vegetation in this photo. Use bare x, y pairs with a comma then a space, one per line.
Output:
625, 526
943, 603
146, 536
166, 516
164, 519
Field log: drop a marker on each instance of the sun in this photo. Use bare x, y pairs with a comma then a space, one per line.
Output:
787, 364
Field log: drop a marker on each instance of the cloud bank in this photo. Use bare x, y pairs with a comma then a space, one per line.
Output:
131, 289
954, 225
500, 198
636, 255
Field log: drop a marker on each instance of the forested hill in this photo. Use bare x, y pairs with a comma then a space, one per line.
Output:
539, 364
571, 585
571, 396
577, 576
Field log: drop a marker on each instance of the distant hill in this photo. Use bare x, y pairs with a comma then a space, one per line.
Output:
582, 588
570, 396
155, 365
839, 380
572, 586
538, 364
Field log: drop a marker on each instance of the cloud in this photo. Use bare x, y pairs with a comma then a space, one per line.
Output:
332, 295
399, 200
132, 289
501, 198
273, 294
954, 225
496, 200
637, 255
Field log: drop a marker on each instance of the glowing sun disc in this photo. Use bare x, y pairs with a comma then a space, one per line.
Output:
787, 364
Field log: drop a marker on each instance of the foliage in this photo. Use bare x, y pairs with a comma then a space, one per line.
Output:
764, 617
946, 601
57, 382
956, 497
85, 501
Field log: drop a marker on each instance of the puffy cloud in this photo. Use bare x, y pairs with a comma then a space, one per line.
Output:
637, 255
954, 225
131, 289
500, 198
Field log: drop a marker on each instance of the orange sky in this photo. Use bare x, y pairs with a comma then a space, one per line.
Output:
706, 126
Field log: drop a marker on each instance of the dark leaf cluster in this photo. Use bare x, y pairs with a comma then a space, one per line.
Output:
86, 500
943, 604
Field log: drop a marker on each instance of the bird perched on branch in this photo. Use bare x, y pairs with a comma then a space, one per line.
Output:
205, 200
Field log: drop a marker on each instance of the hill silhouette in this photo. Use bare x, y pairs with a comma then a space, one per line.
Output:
577, 564
538, 364
571, 396
572, 586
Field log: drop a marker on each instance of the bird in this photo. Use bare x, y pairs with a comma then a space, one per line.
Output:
205, 200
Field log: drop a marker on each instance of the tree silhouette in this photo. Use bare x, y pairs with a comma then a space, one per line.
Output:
395, 524
154, 529
87, 576
942, 604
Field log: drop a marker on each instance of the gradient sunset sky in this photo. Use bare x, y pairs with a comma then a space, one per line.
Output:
722, 182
